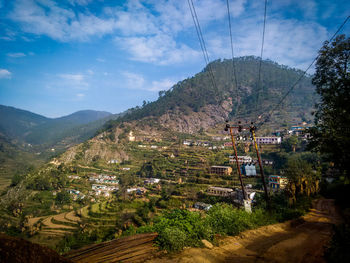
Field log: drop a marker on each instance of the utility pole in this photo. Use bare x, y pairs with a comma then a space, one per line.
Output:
229, 127
252, 129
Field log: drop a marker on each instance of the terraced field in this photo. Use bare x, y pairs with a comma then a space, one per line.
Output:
53, 228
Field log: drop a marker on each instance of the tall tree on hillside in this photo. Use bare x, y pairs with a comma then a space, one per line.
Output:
331, 134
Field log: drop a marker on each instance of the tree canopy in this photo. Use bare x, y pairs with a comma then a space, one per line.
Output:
331, 134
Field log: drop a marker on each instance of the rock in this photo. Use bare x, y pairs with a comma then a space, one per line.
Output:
207, 244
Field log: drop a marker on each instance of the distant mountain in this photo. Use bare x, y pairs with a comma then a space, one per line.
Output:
15, 123
32, 128
198, 103
26, 138
72, 127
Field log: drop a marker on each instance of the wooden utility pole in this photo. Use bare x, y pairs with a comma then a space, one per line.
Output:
237, 163
252, 130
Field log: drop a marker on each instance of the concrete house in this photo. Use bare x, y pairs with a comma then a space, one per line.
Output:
221, 170
220, 191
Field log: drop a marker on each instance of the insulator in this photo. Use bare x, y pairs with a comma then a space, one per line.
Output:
238, 138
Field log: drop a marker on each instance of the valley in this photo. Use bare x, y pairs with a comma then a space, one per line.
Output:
166, 167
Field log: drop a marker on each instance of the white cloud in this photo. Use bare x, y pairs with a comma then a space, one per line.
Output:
133, 80
90, 72
80, 95
5, 74
164, 84
160, 49
59, 23
100, 60
74, 80
80, 2
161, 32
16, 55
137, 81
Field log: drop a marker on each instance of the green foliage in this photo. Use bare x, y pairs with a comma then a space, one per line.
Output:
225, 220
172, 239
290, 144
16, 179
331, 135
63, 197
188, 226
178, 228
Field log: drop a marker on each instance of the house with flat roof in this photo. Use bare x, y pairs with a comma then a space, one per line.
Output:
241, 159
221, 170
202, 206
277, 182
269, 140
220, 191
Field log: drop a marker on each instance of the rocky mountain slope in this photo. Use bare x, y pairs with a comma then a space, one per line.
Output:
194, 103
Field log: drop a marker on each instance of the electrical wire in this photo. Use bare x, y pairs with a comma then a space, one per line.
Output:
233, 61
201, 41
260, 61
299, 79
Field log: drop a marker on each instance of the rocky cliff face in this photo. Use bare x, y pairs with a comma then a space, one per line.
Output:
103, 146
207, 117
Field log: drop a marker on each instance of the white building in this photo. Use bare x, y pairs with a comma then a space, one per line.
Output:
152, 181
268, 140
241, 159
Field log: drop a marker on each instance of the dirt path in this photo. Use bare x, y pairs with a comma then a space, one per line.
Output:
301, 240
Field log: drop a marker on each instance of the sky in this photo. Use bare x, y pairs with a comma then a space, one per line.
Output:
58, 57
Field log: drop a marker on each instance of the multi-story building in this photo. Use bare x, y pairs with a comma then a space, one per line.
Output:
220, 191
268, 140
277, 182
241, 159
221, 170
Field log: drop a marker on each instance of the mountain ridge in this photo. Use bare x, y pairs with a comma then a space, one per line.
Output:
197, 97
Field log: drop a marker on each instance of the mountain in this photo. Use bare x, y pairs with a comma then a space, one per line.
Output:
27, 139
75, 127
16, 123
196, 103
28, 127
195, 106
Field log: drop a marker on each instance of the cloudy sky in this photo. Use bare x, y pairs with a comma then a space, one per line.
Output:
57, 57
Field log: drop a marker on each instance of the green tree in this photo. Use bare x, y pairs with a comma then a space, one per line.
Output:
331, 134
290, 144
63, 198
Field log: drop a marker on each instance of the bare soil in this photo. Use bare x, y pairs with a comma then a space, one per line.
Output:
301, 240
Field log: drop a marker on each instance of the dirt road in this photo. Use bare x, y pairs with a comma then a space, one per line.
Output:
301, 240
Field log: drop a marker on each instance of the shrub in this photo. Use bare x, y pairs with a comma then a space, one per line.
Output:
172, 239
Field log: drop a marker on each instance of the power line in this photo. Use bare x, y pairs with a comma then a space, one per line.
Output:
260, 62
233, 62
302, 75
201, 41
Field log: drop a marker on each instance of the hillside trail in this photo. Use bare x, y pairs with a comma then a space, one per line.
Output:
301, 240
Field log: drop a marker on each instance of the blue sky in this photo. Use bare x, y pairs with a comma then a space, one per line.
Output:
57, 57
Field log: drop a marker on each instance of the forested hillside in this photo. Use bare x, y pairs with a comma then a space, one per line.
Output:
194, 94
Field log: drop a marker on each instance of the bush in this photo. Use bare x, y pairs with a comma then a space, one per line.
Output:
172, 239
191, 225
225, 220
